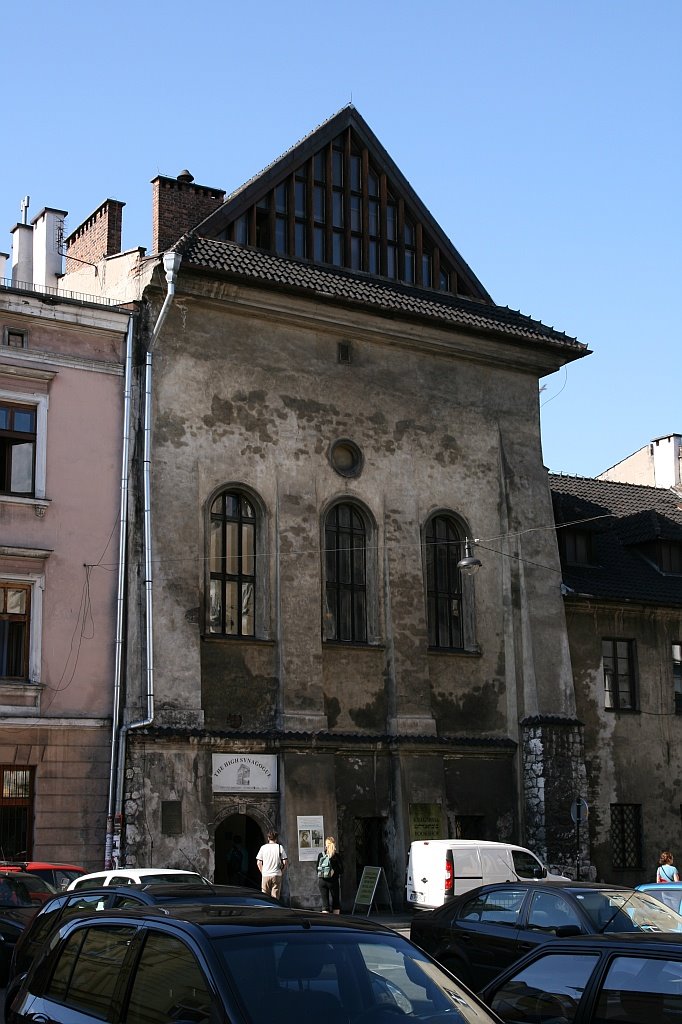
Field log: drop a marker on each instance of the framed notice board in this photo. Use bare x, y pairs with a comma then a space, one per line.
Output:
372, 891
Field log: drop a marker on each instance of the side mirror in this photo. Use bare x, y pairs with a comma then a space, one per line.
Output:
567, 931
540, 872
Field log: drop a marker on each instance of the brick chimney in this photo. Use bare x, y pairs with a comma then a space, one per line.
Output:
178, 205
98, 236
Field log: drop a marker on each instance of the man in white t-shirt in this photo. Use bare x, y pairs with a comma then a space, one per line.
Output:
272, 863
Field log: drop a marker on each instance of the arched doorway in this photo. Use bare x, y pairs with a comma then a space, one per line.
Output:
250, 838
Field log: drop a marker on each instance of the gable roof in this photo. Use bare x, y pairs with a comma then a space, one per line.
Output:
625, 521
331, 284
347, 119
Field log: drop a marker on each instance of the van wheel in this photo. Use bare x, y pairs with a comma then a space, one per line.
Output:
459, 969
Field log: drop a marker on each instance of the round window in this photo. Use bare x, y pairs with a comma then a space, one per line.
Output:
346, 457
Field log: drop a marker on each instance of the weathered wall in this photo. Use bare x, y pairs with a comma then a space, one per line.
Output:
614, 740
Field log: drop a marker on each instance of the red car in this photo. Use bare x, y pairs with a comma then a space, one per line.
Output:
15, 885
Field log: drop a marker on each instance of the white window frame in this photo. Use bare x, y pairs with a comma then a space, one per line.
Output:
35, 625
40, 402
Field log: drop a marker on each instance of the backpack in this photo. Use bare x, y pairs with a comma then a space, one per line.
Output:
324, 868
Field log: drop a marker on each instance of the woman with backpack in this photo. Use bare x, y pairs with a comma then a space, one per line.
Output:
329, 870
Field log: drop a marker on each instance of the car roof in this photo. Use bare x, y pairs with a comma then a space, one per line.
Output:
188, 889
28, 865
221, 919
647, 886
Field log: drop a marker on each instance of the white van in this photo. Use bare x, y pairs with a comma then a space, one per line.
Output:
440, 869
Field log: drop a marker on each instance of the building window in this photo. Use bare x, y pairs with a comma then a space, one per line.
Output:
576, 547
16, 812
444, 548
232, 565
17, 449
677, 677
618, 657
12, 337
171, 817
15, 621
345, 561
626, 836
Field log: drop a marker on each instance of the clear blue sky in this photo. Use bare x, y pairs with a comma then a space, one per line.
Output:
544, 136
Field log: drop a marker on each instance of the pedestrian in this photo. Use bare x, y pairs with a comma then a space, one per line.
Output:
667, 872
329, 871
272, 862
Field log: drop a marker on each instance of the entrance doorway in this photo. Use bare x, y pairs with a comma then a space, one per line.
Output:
370, 845
229, 870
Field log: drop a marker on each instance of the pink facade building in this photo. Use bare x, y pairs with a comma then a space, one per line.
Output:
61, 437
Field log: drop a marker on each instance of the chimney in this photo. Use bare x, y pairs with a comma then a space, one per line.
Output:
178, 205
22, 254
48, 245
4, 256
98, 236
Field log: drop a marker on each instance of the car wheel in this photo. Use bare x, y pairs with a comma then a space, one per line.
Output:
457, 967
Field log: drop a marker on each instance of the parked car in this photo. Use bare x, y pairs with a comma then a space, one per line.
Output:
70, 904
438, 870
58, 875
38, 889
634, 978
137, 876
16, 910
669, 893
487, 930
242, 965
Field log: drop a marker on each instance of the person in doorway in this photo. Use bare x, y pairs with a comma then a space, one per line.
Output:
667, 872
272, 862
329, 869
237, 862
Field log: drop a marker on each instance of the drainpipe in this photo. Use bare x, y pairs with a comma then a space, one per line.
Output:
171, 264
120, 594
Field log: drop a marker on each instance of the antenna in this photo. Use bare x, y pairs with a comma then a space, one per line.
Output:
25, 202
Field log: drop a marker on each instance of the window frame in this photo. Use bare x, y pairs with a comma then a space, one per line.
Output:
260, 577
618, 811
464, 595
615, 691
8, 331
19, 803
35, 581
39, 402
370, 586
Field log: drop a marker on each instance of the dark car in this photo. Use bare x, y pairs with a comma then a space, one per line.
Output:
634, 978
242, 965
57, 874
17, 908
489, 928
68, 904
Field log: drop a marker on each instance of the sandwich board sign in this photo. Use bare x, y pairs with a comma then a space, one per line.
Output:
371, 890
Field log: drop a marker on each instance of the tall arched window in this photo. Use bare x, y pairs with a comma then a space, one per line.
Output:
444, 548
232, 565
345, 543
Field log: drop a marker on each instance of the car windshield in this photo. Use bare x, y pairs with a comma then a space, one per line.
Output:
611, 910
13, 893
342, 977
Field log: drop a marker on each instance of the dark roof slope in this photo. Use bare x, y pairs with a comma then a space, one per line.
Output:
626, 521
391, 299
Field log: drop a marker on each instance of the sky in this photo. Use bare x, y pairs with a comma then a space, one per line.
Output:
543, 135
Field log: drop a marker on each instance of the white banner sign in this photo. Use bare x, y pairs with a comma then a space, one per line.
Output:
244, 773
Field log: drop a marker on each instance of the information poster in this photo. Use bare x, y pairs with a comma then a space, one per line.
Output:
310, 829
426, 821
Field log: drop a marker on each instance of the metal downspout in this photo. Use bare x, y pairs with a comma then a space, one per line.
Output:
121, 590
171, 263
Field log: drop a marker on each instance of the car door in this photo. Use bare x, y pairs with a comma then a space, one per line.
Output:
486, 930
545, 913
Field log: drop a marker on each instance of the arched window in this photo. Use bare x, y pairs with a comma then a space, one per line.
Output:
444, 548
232, 565
345, 560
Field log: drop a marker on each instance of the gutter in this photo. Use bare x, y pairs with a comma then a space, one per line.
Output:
171, 263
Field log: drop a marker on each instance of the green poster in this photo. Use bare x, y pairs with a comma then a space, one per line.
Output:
426, 821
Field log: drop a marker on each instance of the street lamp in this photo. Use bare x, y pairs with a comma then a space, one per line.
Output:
469, 564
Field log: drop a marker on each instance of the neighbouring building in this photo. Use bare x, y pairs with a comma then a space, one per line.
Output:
333, 425
61, 429
621, 554
657, 464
